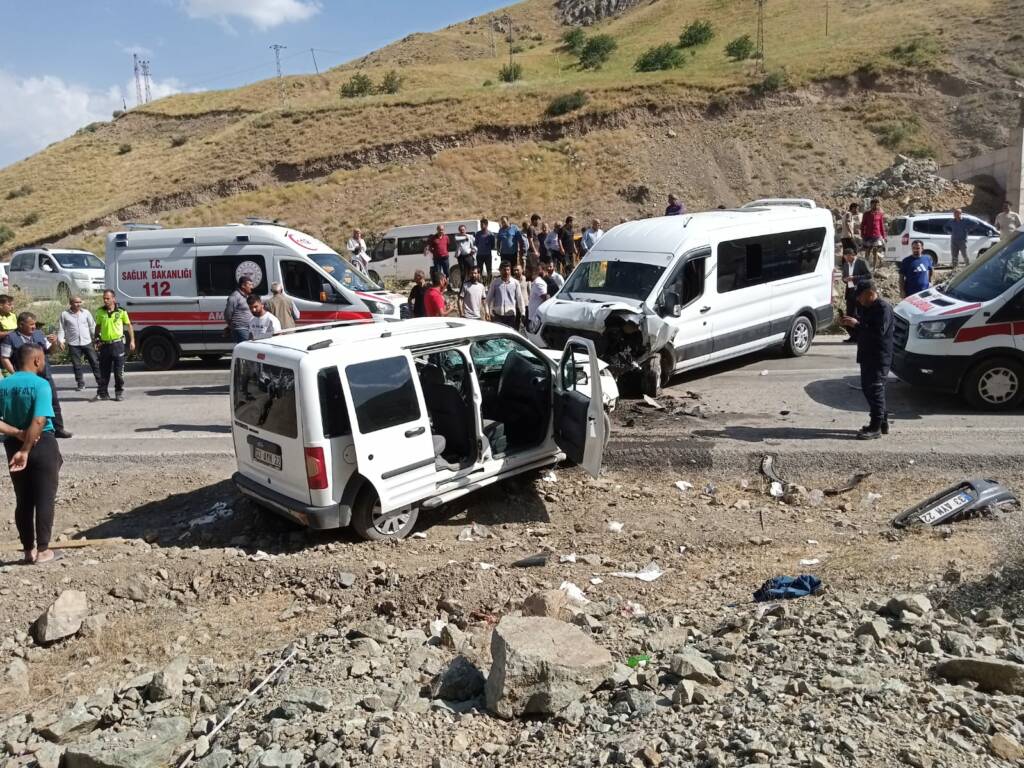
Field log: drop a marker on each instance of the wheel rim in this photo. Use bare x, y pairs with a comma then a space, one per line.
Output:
801, 337
998, 385
387, 525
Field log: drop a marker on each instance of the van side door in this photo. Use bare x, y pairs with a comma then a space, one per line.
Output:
390, 426
579, 424
796, 277
218, 269
409, 257
384, 258
685, 305
740, 310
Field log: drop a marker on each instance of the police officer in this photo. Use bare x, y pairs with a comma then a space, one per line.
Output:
33, 458
111, 324
874, 354
27, 333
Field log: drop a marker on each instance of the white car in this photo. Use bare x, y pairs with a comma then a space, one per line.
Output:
932, 229
45, 273
400, 251
5, 282
364, 425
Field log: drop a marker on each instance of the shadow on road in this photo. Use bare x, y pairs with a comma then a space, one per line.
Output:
904, 401
211, 389
760, 434
223, 429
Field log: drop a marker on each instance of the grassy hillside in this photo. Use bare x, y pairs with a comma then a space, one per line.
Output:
449, 145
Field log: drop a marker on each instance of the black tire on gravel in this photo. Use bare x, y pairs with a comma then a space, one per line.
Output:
370, 525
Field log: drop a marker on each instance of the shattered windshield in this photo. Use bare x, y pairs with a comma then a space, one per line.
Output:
624, 279
990, 275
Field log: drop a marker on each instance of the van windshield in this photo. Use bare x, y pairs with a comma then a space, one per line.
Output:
990, 275
344, 272
626, 279
77, 260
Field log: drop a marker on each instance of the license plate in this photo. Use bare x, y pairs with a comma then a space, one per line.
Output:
960, 500
266, 457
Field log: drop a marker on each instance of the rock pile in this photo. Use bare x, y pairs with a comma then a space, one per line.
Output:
586, 12
911, 183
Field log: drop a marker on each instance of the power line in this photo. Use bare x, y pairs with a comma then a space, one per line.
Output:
146, 80
277, 48
138, 79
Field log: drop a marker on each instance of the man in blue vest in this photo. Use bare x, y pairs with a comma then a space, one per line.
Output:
27, 333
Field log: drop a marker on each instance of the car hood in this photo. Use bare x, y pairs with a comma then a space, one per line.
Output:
585, 315
933, 305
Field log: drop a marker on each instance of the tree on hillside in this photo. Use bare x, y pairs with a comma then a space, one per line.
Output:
358, 85
660, 57
597, 51
699, 32
574, 40
741, 48
509, 73
392, 82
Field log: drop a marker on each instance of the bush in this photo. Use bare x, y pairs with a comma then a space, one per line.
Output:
916, 53
566, 103
177, 141
23, 191
574, 40
741, 48
488, 83
597, 51
358, 85
124, 149
392, 82
772, 83
6, 233
30, 219
509, 73
660, 57
697, 33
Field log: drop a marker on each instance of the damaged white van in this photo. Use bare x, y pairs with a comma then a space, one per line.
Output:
664, 295
365, 425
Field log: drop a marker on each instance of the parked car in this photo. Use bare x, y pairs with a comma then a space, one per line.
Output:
45, 273
964, 336
932, 229
673, 293
364, 425
401, 251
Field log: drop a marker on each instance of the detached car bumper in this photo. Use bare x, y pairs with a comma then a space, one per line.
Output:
316, 518
941, 373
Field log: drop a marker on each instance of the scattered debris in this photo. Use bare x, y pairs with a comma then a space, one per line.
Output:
615, 526
570, 558
218, 511
962, 500
787, 588
639, 660
775, 490
550, 477
487, 566
852, 483
811, 561
259, 556
682, 485
653, 403
418, 535
650, 572
769, 471
574, 593
533, 561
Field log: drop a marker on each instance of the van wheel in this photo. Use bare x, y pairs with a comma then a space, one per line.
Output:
801, 334
371, 524
159, 353
64, 293
650, 377
995, 384
933, 256
455, 278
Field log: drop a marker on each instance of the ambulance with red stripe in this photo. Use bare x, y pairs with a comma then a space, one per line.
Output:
175, 283
967, 335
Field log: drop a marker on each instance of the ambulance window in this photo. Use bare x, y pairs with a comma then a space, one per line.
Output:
333, 410
301, 281
383, 394
218, 275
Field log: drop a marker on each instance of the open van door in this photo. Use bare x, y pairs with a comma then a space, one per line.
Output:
579, 424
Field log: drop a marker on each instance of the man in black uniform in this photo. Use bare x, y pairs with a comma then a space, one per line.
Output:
874, 354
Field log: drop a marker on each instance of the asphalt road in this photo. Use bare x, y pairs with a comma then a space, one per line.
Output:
185, 411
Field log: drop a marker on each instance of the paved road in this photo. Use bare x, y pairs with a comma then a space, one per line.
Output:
186, 411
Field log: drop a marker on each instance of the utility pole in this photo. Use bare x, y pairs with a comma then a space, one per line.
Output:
138, 79
146, 81
508, 20
826, 18
276, 48
312, 53
760, 34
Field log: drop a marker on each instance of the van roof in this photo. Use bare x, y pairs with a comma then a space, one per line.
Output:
51, 250
401, 334
258, 234
666, 234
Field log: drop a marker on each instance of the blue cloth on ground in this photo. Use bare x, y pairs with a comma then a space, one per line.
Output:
787, 588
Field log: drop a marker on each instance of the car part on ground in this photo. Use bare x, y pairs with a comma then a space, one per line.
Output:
965, 499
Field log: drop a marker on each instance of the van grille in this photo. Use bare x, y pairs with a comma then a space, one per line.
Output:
901, 333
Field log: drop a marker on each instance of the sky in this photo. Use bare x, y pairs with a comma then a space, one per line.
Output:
67, 63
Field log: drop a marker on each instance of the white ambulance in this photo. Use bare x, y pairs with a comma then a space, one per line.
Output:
967, 336
175, 283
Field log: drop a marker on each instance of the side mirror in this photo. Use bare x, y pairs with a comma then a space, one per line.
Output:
670, 304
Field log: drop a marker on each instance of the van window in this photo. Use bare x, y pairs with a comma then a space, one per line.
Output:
896, 227
218, 275
687, 282
990, 275
383, 393
756, 260
264, 397
301, 281
333, 411
933, 226
410, 246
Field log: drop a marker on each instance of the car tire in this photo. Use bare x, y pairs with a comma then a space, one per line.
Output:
996, 384
374, 275
366, 522
800, 336
455, 278
650, 377
63, 293
159, 353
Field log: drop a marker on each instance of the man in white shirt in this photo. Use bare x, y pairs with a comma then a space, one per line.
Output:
591, 236
75, 332
471, 297
1008, 221
554, 277
263, 324
356, 247
504, 299
538, 291
465, 250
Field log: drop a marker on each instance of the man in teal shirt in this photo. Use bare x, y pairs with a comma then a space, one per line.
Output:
34, 460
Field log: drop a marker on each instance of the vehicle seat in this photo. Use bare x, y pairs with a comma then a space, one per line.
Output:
494, 431
449, 415
522, 402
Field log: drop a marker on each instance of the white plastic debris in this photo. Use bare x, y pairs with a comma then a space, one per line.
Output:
570, 558
259, 556
436, 626
812, 542
597, 580
650, 572
615, 526
812, 561
764, 373
776, 490
466, 534
218, 511
418, 535
487, 566
574, 593
550, 478
682, 485
682, 549
653, 403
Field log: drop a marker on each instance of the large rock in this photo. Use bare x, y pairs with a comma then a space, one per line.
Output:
75, 723
168, 684
550, 603
690, 665
152, 748
14, 680
540, 666
989, 674
63, 618
912, 603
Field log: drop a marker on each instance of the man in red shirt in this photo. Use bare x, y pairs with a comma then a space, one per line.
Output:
433, 299
437, 249
872, 233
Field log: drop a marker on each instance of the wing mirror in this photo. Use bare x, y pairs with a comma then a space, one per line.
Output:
670, 304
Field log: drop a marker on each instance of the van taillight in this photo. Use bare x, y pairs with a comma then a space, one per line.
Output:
906, 239
316, 469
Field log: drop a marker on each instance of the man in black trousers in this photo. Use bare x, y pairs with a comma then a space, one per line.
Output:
874, 354
854, 271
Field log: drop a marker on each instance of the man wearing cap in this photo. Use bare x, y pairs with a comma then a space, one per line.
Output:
853, 271
874, 331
